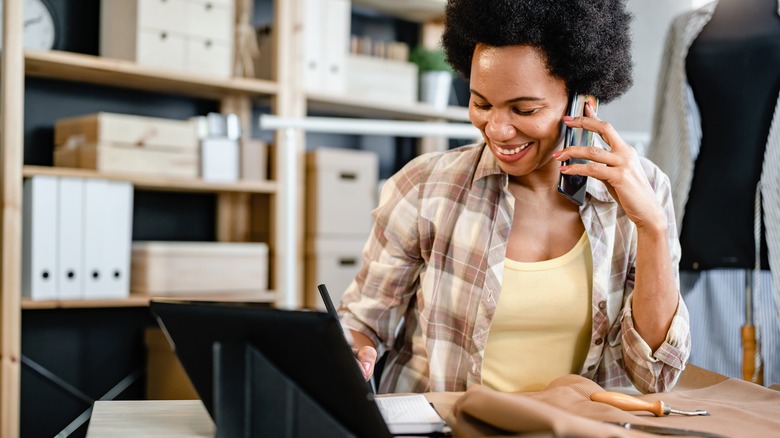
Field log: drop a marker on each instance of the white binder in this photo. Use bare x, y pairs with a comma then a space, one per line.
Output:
96, 265
313, 58
39, 238
119, 209
70, 238
335, 34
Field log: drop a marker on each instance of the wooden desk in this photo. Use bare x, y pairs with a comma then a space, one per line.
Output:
150, 418
189, 418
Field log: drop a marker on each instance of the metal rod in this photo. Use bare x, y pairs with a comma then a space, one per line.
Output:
55, 379
371, 127
110, 395
286, 221
749, 297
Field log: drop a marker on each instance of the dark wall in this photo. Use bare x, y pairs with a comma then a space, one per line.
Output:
89, 349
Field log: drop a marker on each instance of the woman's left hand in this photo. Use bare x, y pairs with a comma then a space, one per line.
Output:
619, 169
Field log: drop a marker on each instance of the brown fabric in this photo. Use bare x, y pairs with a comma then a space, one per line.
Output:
737, 408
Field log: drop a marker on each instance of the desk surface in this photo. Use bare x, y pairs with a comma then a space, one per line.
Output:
189, 418
150, 418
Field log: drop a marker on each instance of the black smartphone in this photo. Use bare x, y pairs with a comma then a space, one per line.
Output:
574, 186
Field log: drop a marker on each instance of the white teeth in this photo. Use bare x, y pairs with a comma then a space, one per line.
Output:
513, 151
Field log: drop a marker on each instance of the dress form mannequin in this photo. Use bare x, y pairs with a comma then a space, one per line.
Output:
733, 68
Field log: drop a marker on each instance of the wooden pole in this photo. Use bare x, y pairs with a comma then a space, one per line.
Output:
11, 157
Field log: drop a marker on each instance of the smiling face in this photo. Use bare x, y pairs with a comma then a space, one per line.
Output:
518, 106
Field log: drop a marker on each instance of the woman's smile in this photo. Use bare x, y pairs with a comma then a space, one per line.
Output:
512, 152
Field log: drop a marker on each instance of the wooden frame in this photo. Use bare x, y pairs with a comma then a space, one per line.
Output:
11, 152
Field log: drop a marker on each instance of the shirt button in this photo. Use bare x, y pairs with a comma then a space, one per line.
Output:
602, 305
599, 341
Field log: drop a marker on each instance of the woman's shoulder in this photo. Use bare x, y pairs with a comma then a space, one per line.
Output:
442, 163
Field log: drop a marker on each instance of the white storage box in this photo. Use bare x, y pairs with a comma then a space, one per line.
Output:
334, 263
189, 35
382, 79
340, 192
325, 33
182, 268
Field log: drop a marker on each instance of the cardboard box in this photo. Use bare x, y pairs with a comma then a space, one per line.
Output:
340, 192
121, 158
254, 160
334, 263
125, 143
382, 79
188, 35
189, 268
131, 130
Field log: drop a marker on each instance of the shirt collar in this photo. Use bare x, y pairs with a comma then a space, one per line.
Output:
488, 166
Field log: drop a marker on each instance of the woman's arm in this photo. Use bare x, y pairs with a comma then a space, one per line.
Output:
656, 296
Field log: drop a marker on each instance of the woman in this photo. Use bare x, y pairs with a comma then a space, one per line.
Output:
478, 271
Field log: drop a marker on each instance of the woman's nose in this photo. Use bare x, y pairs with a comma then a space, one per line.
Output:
499, 128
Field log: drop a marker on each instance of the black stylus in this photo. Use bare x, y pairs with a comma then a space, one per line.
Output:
326, 299
332, 310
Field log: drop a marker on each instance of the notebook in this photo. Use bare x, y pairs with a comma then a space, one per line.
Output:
327, 372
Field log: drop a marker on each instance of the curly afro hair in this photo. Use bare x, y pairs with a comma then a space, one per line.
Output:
586, 43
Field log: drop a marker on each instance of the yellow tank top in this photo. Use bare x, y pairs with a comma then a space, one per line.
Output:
542, 326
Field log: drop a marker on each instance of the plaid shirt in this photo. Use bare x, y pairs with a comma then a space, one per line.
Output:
435, 259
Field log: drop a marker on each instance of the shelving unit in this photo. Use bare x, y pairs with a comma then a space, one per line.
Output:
158, 183
349, 105
143, 301
237, 203
96, 70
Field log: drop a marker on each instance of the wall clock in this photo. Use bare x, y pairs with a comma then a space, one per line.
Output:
40, 25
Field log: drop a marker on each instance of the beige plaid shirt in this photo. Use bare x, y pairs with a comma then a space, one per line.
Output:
435, 259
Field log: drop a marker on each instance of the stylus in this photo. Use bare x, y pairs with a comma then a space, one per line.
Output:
332, 310
326, 299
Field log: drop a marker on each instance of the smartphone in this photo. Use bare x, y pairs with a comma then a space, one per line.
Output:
574, 186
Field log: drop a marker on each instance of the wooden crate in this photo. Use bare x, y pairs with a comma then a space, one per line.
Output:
131, 130
124, 158
382, 79
186, 268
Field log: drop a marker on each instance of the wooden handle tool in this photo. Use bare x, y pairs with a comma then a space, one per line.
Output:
628, 403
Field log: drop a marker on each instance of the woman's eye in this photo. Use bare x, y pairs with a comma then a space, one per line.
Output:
481, 106
527, 112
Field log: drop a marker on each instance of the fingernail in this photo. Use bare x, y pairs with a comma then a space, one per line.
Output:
568, 118
557, 154
564, 168
367, 366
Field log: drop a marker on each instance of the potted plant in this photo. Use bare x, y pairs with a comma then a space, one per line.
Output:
435, 75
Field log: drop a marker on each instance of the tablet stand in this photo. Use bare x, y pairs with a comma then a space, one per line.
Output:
253, 398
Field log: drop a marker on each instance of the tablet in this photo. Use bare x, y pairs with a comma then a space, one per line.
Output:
307, 347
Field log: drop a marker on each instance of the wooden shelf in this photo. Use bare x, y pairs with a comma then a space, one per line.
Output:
158, 183
97, 70
413, 10
143, 301
355, 106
